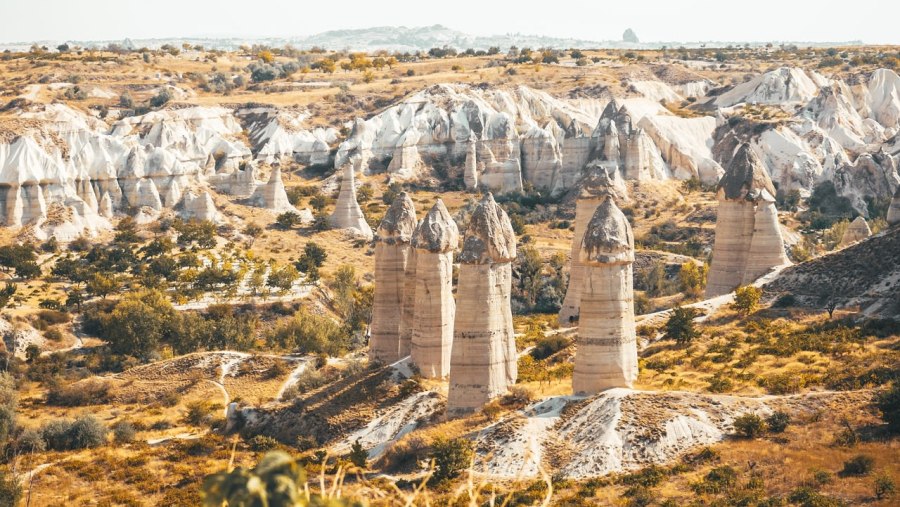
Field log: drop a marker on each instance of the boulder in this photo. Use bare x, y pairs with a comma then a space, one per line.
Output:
483, 362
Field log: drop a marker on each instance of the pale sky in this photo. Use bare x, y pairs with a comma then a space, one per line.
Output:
872, 21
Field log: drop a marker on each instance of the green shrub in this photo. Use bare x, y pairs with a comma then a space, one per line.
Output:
451, 457
746, 299
717, 480
681, 327
199, 413
749, 425
884, 487
858, 465
358, 455
123, 432
263, 443
87, 392
82, 433
778, 421
888, 402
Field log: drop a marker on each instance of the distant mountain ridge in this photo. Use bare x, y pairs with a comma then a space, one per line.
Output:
402, 38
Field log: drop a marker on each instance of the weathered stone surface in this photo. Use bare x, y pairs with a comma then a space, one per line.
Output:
199, 207
392, 256
858, 230
272, 195
484, 361
607, 349
347, 213
893, 214
621, 144
434, 310
599, 184
748, 235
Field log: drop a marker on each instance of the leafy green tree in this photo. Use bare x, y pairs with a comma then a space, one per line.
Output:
282, 277
126, 231
693, 278
313, 257
746, 299
102, 285
681, 326
451, 457
750, 425
139, 323
358, 455
287, 220
6, 294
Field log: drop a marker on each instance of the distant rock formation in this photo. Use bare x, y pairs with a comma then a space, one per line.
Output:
484, 360
199, 207
600, 184
893, 214
607, 348
347, 213
272, 195
858, 230
622, 145
748, 235
630, 36
434, 310
392, 254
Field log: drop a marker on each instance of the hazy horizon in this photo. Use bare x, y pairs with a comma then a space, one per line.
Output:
653, 20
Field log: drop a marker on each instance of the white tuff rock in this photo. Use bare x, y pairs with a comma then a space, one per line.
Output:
347, 213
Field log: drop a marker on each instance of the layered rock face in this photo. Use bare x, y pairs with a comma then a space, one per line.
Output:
748, 236
857, 231
600, 184
347, 213
623, 145
893, 214
434, 310
607, 348
392, 256
483, 363
276, 134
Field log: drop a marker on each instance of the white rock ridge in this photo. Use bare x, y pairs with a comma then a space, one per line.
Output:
483, 363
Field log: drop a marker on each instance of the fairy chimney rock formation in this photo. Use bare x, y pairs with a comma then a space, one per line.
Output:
748, 235
600, 182
392, 256
347, 213
607, 348
893, 214
483, 362
858, 230
272, 195
434, 310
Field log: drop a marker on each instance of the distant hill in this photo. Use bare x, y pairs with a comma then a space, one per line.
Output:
401, 38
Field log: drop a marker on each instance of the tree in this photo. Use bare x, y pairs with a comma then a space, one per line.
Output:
282, 277
126, 231
451, 457
288, 219
746, 299
693, 278
681, 327
888, 402
749, 425
313, 257
364, 193
778, 421
358, 455
102, 285
139, 323
162, 98
6, 294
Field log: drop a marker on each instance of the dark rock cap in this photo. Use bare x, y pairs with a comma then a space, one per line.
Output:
608, 238
746, 177
490, 237
437, 232
399, 223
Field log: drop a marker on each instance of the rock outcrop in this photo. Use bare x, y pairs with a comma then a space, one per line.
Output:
484, 362
599, 184
347, 213
857, 231
200, 206
893, 214
272, 195
434, 310
623, 145
607, 347
748, 235
392, 255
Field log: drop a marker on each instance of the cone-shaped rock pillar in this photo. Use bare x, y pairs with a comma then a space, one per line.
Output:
434, 310
893, 214
272, 195
347, 213
483, 363
607, 349
392, 255
748, 236
858, 230
597, 185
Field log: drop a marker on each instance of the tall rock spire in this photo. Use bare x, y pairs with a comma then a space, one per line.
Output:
434, 241
599, 184
748, 236
347, 213
392, 255
607, 349
483, 363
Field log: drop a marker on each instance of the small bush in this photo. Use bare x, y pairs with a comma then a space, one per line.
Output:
199, 413
82, 433
451, 457
778, 421
30, 441
749, 425
79, 394
888, 402
358, 455
884, 487
263, 443
746, 299
718, 480
858, 465
123, 432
